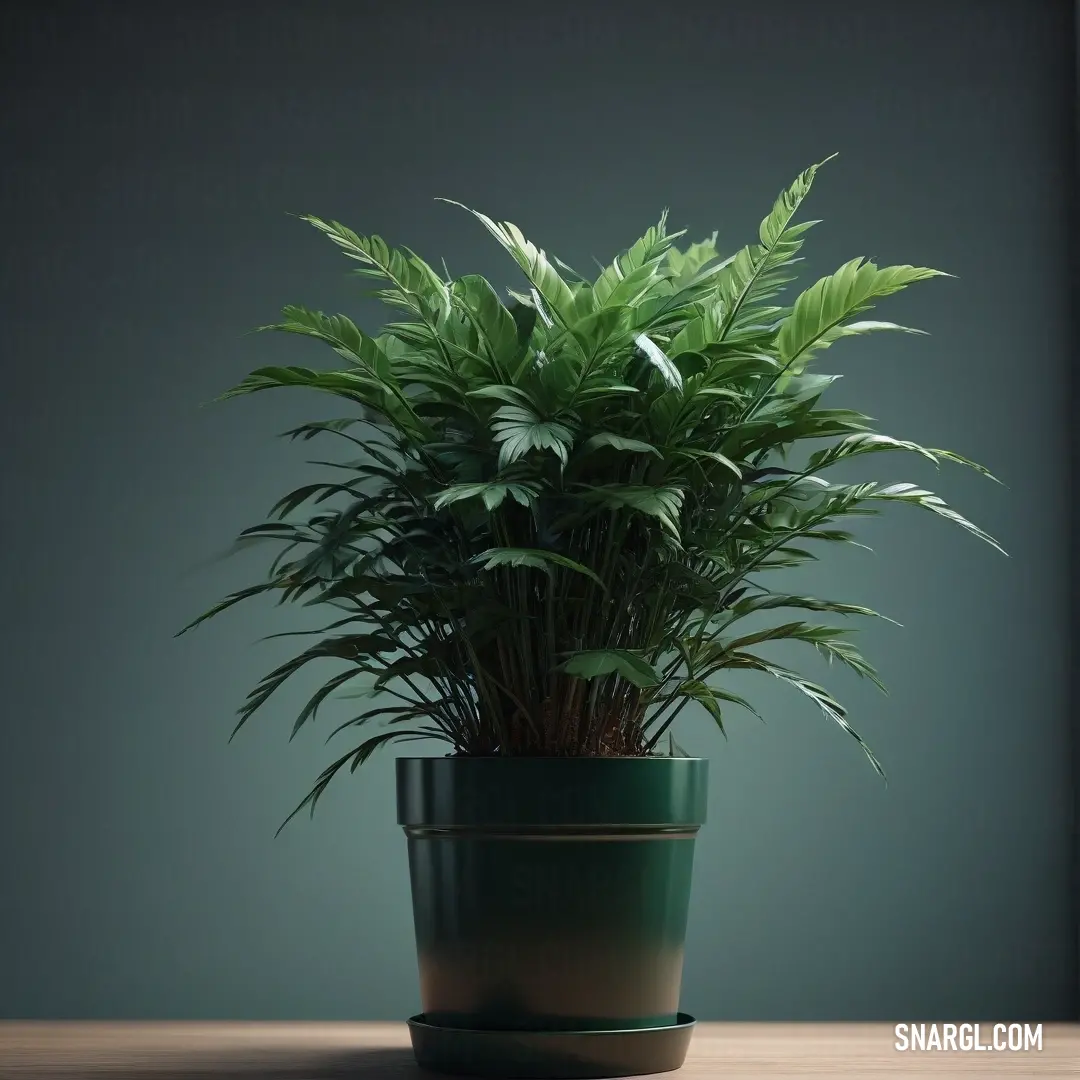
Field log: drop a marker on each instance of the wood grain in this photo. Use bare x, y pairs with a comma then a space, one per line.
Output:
371, 1051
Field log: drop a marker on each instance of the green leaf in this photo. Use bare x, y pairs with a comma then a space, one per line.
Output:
686, 265
511, 395
306, 432
393, 715
659, 360
618, 442
819, 314
674, 749
535, 558
493, 494
358, 386
828, 705
769, 601
711, 696
830, 641
228, 602
544, 278
310, 710
911, 493
592, 663
757, 272
652, 246
354, 759
521, 430
711, 455
495, 324
870, 442
704, 695
414, 285
357, 648
662, 503
595, 333
341, 333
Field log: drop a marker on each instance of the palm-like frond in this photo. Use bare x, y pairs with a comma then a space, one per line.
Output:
565, 500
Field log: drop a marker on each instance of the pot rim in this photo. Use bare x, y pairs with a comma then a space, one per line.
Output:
562, 793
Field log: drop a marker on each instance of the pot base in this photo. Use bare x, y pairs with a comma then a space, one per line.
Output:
551, 1055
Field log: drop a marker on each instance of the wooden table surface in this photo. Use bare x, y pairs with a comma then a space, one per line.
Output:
311, 1051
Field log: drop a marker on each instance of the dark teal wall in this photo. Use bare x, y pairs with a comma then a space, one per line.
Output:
151, 155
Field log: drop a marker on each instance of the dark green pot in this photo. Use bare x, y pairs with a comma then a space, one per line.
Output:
550, 897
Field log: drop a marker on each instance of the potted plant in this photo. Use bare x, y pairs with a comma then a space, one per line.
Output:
559, 509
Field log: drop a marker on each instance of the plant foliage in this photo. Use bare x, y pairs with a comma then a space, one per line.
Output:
563, 503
